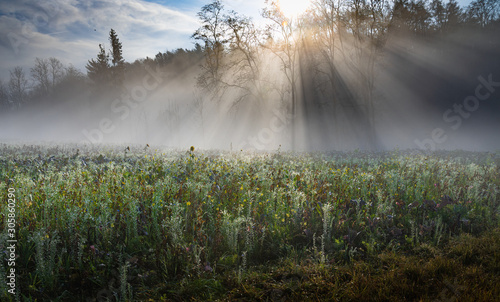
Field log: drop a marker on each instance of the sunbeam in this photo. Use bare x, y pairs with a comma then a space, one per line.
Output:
293, 8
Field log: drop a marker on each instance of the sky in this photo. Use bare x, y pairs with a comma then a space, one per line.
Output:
71, 30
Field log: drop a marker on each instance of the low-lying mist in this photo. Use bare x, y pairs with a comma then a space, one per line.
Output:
436, 93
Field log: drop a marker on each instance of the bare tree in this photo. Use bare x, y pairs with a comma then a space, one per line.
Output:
212, 34
73, 74
243, 65
366, 25
47, 73
285, 46
325, 24
346, 38
18, 86
40, 75
56, 71
483, 12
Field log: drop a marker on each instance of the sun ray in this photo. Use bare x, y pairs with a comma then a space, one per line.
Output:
293, 8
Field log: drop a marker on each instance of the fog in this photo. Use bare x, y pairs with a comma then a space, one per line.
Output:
439, 91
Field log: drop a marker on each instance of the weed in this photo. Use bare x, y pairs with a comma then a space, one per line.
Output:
212, 218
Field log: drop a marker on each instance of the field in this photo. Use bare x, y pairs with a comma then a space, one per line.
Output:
113, 223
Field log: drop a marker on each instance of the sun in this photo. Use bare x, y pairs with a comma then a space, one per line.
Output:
293, 8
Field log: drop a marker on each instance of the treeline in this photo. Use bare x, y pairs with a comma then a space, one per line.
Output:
323, 62
47, 78
328, 21
329, 56
49, 81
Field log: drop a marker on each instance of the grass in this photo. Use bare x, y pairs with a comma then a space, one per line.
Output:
110, 223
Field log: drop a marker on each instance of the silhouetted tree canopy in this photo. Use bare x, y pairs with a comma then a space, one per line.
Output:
118, 66
98, 69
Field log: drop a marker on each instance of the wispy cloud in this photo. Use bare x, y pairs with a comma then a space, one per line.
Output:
71, 30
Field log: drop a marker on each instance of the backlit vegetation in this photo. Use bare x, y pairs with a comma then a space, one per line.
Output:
139, 224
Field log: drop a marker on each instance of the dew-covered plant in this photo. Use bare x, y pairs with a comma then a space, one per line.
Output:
180, 215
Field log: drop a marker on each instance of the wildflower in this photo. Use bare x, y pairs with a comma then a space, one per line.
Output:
207, 267
188, 203
191, 148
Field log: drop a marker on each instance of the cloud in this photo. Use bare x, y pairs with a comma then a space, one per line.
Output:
247, 8
72, 30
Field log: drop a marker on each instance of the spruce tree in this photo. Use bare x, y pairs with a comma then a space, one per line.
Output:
118, 68
98, 70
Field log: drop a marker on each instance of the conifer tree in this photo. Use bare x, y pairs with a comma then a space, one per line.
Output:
98, 70
118, 67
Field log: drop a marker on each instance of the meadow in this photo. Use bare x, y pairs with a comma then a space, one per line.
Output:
119, 223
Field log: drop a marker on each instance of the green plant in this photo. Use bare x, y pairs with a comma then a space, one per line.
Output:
189, 217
